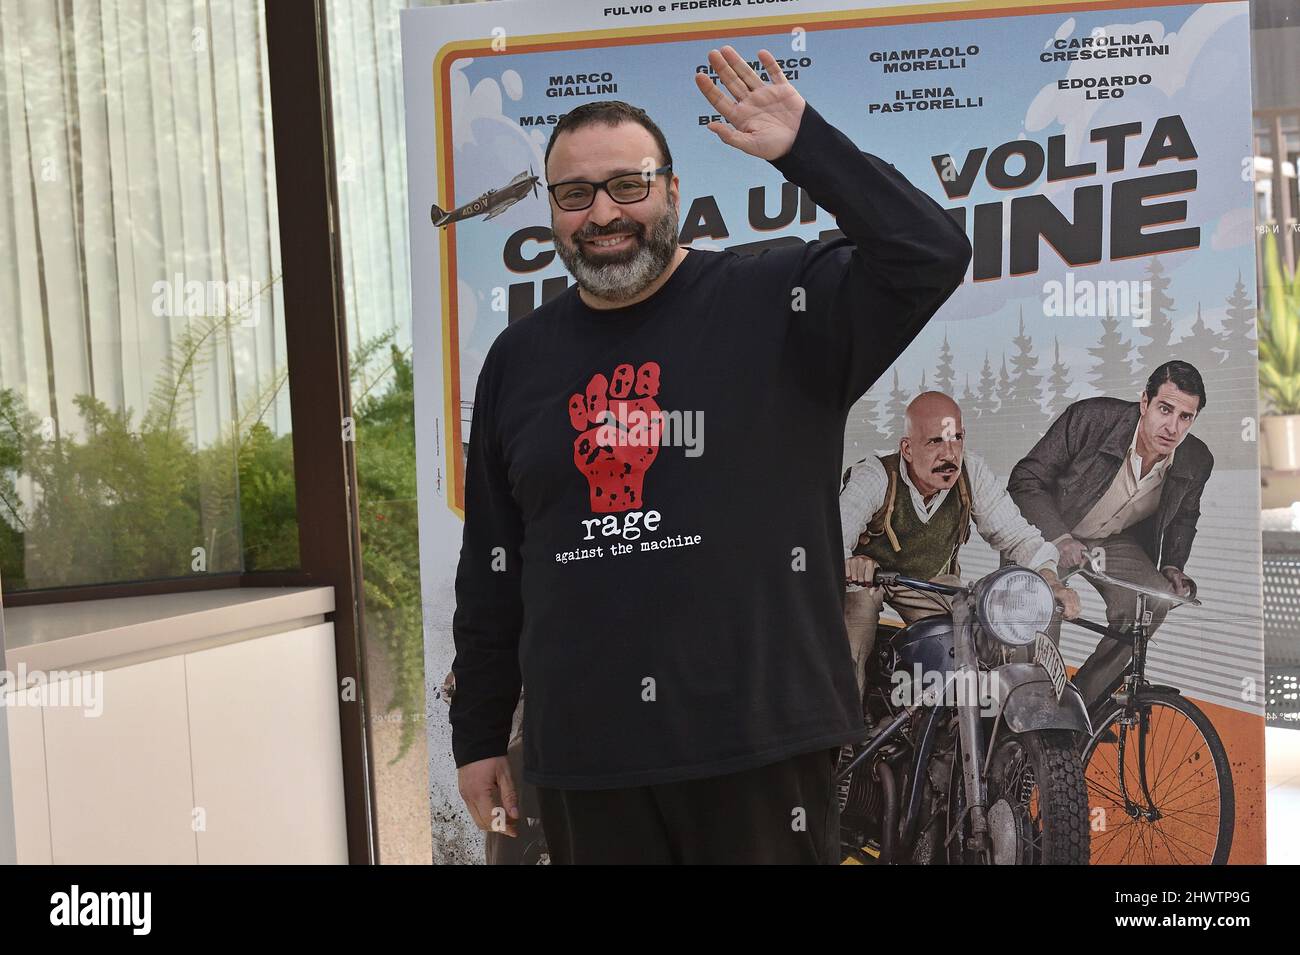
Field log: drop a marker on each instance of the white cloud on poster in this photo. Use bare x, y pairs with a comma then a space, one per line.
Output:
1057, 106
490, 147
1062, 32
1235, 227
513, 84
477, 327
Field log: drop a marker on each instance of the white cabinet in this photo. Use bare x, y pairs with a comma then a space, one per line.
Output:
27, 770
119, 782
229, 754
264, 737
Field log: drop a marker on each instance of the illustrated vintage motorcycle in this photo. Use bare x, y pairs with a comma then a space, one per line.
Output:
971, 752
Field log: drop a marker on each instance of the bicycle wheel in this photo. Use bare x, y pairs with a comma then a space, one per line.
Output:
1184, 815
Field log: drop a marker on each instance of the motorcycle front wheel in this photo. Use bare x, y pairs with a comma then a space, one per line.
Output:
1037, 803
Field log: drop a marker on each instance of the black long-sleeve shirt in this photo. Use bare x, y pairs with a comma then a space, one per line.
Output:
676, 611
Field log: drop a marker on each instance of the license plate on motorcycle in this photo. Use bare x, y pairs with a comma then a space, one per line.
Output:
1049, 658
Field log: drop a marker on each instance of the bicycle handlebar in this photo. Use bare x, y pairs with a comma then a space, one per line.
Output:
1097, 576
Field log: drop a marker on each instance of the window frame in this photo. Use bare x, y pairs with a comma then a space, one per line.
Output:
324, 464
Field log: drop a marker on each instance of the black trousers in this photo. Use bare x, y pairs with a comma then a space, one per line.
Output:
784, 813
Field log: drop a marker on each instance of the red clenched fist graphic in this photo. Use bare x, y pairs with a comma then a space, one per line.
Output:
621, 425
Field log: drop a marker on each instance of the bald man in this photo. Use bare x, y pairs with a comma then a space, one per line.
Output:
911, 511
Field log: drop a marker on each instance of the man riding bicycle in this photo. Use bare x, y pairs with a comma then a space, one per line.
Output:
1118, 484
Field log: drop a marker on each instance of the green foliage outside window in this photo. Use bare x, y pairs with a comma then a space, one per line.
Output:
121, 500
1279, 334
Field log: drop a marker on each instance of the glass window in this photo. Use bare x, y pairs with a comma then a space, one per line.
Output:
365, 56
144, 412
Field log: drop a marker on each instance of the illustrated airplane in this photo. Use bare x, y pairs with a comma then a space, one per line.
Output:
493, 202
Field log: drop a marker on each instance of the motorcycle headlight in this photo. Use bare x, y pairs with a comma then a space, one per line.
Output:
1013, 605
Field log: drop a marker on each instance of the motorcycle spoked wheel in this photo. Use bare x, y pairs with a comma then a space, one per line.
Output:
1038, 802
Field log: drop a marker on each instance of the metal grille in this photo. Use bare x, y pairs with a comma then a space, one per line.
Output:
1282, 611
1282, 700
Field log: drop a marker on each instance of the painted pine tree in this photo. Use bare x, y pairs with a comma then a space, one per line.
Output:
1240, 369
945, 378
1112, 373
1202, 346
1026, 392
1004, 386
862, 434
1001, 436
1239, 324
895, 411
1058, 385
1156, 324
987, 403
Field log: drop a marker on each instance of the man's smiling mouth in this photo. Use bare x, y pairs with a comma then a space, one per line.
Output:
609, 241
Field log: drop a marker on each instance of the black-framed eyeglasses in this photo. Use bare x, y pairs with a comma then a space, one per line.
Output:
625, 189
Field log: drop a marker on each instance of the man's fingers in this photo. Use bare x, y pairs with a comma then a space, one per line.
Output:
486, 810
717, 99
489, 815
859, 570
727, 74
743, 70
774, 72
727, 134
509, 796
480, 809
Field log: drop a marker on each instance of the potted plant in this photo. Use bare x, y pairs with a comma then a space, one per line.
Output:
1279, 361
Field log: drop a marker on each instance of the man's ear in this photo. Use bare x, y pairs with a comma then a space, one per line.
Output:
905, 449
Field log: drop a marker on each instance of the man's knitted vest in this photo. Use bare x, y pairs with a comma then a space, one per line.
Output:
899, 541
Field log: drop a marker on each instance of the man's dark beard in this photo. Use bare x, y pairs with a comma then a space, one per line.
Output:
617, 278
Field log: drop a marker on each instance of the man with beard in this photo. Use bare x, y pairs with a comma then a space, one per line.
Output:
676, 615
900, 514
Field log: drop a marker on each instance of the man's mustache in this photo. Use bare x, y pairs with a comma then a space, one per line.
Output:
614, 228
944, 468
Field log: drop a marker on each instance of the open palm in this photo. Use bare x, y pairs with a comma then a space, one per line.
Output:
762, 118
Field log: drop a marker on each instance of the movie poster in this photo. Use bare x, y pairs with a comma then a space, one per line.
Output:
1098, 158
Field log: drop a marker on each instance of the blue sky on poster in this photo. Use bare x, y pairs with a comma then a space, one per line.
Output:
1203, 80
